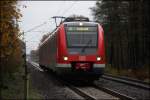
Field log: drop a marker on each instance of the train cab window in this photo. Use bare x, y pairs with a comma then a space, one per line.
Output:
81, 36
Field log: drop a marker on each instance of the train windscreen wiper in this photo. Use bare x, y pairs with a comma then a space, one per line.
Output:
87, 44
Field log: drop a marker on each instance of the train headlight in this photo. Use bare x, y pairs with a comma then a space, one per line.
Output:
80, 23
98, 58
65, 58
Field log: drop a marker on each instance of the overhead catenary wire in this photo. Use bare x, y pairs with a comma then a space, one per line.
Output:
38, 26
70, 7
62, 5
64, 12
44, 32
32, 30
35, 27
41, 31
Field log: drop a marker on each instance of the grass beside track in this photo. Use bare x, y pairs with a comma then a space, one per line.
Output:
142, 73
13, 87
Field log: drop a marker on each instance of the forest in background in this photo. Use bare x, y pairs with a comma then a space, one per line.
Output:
127, 39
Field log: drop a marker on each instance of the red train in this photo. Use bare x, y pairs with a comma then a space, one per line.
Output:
76, 47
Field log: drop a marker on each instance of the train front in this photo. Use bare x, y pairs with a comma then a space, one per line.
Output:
81, 48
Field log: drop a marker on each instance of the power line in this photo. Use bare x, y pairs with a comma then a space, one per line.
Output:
67, 10
40, 31
59, 10
32, 41
31, 30
35, 27
45, 22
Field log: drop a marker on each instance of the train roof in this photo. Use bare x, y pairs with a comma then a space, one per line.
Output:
80, 22
73, 19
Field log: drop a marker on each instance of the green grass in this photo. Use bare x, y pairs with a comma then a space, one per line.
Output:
13, 87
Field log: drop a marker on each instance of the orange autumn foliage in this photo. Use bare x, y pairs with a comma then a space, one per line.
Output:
10, 44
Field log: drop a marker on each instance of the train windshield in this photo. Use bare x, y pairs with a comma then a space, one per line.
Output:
82, 36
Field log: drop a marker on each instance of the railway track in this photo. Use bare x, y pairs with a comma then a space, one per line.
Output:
78, 91
127, 78
113, 95
128, 81
87, 92
92, 92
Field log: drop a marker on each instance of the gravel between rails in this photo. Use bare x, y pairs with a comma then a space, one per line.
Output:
98, 94
124, 89
89, 89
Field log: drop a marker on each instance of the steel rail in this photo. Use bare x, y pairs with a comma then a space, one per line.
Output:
114, 93
81, 93
126, 81
128, 78
109, 91
75, 89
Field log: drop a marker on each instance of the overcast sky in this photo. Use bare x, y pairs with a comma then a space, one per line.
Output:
39, 13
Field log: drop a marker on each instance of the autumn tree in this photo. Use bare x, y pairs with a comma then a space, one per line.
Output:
10, 44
